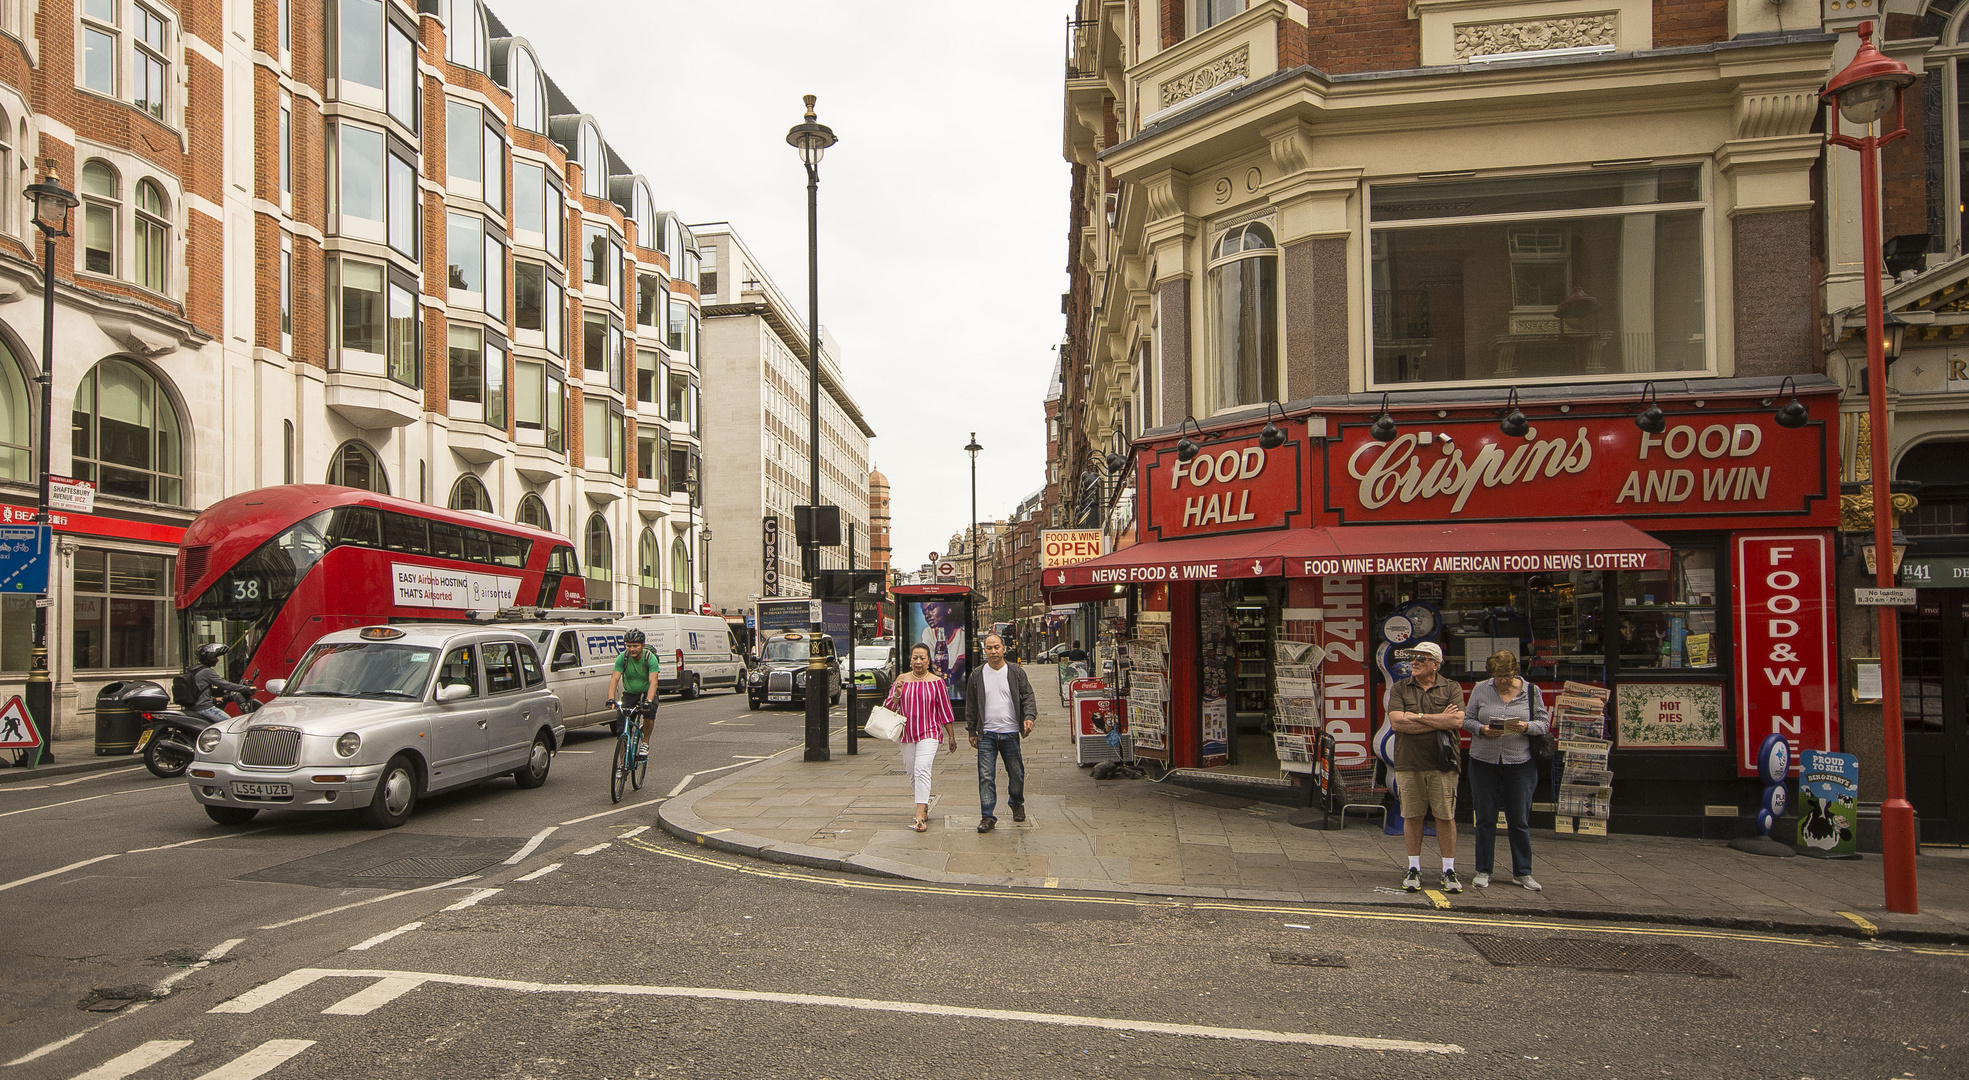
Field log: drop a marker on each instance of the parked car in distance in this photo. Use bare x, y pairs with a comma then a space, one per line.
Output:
376, 718
878, 662
780, 676
1057, 653
696, 651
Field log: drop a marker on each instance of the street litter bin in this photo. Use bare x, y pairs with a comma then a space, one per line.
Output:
120, 709
869, 692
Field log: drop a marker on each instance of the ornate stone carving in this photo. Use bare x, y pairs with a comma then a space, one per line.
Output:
1169, 194
1788, 112
1216, 72
1534, 35
1856, 510
1292, 147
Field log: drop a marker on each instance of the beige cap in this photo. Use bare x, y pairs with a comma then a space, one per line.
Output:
1422, 650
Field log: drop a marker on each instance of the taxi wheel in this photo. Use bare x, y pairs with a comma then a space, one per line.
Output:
538, 760
752, 703
396, 795
230, 815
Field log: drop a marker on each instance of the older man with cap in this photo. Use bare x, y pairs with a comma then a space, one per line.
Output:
1425, 711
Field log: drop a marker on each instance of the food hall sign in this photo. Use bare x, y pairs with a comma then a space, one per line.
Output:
1705, 463
1231, 486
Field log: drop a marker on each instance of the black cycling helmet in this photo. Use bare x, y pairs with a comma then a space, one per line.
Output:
209, 654
632, 637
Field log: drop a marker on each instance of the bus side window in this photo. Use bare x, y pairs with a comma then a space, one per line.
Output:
447, 540
509, 550
478, 545
460, 670
359, 525
401, 532
530, 666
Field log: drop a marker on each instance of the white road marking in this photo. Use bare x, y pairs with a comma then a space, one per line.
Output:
603, 846
540, 873
261, 996
744, 759
372, 900
260, 1060
142, 1057
373, 997
617, 810
58, 870
637, 831
477, 895
527, 848
219, 951
92, 798
200, 840
365, 946
97, 776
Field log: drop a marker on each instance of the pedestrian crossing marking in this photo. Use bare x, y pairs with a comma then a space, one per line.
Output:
256, 1062
381, 993
142, 1057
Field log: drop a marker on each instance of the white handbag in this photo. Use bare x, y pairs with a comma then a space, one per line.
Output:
884, 723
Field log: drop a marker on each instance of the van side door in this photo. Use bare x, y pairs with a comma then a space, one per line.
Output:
570, 682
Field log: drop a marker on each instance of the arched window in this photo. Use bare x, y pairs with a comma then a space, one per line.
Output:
529, 93
598, 553
465, 42
533, 511
153, 236
6, 166
594, 164
356, 465
127, 434
102, 198
680, 568
643, 211
1243, 293
17, 430
470, 494
648, 573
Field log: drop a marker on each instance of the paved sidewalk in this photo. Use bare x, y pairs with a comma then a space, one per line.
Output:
1135, 836
72, 756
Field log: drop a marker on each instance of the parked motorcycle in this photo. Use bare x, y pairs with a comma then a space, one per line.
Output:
170, 735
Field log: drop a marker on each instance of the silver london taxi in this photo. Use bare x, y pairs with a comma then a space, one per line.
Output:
374, 719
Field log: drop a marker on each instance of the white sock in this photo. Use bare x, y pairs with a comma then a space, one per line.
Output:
1448, 865
1415, 862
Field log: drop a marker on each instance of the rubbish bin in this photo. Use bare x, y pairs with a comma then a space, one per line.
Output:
870, 689
120, 709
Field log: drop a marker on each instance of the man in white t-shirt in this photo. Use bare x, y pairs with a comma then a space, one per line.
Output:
999, 709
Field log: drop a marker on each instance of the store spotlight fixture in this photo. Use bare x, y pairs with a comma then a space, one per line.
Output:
1792, 414
1651, 419
1383, 428
1186, 447
1116, 459
1273, 436
1515, 424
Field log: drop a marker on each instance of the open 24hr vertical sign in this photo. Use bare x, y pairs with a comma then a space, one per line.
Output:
1786, 678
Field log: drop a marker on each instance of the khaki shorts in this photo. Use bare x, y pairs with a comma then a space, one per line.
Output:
1425, 790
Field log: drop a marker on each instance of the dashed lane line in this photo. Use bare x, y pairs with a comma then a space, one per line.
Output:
31, 878
477, 895
526, 849
366, 945
91, 798
637, 831
260, 1060
143, 1057
394, 984
617, 810
371, 900
1260, 908
45, 874
603, 846
540, 873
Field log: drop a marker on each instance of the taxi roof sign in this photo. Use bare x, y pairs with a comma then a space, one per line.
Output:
380, 633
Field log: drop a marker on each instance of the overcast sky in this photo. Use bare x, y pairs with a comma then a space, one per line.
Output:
943, 209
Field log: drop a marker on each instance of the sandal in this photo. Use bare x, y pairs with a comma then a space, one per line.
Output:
922, 824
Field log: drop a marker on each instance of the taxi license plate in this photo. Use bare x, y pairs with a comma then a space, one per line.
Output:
261, 790
779, 697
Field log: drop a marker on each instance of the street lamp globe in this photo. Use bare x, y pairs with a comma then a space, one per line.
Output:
811, 138
52, 202
1870, 85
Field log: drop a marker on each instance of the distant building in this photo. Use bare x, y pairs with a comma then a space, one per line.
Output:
878, 520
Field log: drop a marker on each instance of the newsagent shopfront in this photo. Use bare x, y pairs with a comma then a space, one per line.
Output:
1680, 571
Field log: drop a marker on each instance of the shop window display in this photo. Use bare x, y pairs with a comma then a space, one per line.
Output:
1667, 618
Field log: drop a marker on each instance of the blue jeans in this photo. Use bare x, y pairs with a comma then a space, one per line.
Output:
1507, 788
991, 746
212, 713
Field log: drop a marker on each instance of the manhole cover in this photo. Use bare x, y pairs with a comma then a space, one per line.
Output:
1592, 955
428, 867
1309, 960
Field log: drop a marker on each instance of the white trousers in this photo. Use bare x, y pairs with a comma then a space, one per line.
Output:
917, 757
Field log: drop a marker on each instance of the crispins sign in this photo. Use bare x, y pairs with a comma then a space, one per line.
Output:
1066, 547
1784, 637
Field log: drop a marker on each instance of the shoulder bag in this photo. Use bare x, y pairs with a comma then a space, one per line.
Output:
1541, 745
884, 723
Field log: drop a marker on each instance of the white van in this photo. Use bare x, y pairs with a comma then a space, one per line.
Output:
580, 658
696, 651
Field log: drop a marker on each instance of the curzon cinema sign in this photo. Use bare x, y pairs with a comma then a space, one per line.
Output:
1231, 486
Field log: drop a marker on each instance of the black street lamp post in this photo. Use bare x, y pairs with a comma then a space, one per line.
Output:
972, 449
812, 138
52, 202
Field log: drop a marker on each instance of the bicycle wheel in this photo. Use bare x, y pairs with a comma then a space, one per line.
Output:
625, 745
637, 775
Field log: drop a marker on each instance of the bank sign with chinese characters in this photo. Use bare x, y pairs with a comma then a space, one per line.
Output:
1716, 463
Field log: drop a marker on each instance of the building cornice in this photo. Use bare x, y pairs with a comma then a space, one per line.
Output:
795, 340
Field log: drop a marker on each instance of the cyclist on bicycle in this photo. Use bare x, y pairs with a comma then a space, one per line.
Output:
634, 680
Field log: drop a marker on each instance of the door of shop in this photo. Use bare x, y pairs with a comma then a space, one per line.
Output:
1935, 681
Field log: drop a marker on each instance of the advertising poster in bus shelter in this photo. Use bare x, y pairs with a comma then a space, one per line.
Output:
939, 624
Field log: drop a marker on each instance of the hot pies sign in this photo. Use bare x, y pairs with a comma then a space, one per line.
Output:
1231, 485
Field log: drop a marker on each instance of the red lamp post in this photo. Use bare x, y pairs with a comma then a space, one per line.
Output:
1864, 93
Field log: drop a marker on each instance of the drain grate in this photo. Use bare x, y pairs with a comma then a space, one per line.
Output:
428, 867
1309, 960
1592, 956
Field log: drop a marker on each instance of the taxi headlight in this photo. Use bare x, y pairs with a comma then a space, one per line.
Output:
757, 676
799, 678
348, 744
208, 740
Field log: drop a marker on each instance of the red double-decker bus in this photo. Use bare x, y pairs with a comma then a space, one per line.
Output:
269, 572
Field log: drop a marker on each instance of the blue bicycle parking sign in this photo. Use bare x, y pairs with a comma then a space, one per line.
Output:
24, 552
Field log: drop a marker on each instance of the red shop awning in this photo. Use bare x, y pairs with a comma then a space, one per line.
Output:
1507, 548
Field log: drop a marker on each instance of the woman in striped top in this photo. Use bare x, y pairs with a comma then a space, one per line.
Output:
924, 702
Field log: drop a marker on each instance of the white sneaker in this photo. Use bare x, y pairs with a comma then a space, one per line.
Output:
1529, 882
1482, 880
